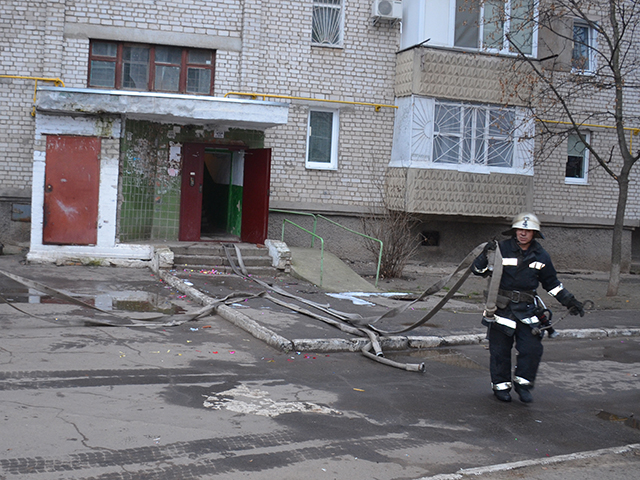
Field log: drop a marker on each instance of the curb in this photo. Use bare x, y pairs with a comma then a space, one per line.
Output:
335, 345
503, 467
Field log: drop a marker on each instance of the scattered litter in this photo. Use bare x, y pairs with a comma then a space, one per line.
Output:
194, 329
188, 283
354, 296
358, 390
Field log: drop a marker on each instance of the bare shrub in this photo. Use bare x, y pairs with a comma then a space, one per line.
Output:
396, 231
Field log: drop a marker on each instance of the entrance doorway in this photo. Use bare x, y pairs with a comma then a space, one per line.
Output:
72, 182
225, 194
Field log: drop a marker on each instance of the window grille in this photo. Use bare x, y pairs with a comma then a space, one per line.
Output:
327, 22
473, 134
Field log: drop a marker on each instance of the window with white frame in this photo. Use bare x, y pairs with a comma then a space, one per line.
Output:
327, 23
322, 139
473, 134
584, 43
577, 159
501, 26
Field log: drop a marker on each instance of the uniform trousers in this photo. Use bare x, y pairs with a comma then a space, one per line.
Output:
529, 353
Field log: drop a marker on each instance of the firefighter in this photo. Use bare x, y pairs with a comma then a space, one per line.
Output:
525, 265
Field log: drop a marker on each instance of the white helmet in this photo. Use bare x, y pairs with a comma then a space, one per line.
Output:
525, 221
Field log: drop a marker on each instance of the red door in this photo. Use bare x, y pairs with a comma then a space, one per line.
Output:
72, 181
191, 193
255, 195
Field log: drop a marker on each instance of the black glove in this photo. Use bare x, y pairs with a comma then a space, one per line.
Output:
491, 245
575, 307
481, 262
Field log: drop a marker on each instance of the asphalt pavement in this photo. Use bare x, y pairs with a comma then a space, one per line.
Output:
263, 390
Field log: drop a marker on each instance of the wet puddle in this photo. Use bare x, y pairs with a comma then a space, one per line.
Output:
611, 417
444, 355
128, 301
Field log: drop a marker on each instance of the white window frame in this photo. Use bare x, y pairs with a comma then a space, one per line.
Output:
328, 4
584, 180
591, 47
505, 48
333, 154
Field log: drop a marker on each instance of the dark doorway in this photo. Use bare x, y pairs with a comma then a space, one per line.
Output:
225, 194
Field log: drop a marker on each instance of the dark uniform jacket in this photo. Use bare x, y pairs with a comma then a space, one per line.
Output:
522, 272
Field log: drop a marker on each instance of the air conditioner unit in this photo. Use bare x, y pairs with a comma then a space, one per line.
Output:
387, 9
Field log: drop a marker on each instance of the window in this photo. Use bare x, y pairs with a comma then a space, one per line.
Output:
473, 135
155, 68
322, 139
495, 25
577, 160
327, 21
584, 42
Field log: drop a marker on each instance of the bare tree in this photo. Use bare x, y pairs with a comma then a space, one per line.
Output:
587, 55
395, 228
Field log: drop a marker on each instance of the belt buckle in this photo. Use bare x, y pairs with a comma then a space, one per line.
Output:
515, 296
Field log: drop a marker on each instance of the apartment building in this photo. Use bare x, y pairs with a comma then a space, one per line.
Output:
193, 120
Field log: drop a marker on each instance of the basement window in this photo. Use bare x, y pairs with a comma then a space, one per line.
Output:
154, 68
430, 239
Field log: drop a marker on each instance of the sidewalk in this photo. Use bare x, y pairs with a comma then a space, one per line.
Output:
458, 323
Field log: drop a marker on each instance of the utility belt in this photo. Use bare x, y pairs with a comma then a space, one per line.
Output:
516, 296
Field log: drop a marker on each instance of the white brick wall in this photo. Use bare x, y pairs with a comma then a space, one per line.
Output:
277, 58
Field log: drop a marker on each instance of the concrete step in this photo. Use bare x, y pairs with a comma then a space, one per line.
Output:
216, 260
212, 256
209, 269
217, 249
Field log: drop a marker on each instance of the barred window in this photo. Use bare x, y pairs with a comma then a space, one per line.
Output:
473, 134
327, 22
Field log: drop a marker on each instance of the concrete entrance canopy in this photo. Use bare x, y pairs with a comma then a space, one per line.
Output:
163, 107
103, 114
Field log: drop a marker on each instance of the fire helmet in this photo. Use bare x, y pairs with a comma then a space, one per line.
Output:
525, 221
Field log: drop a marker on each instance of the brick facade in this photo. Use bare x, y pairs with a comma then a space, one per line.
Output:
264, 46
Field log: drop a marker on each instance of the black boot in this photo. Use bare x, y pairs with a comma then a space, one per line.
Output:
524, 393
502, 395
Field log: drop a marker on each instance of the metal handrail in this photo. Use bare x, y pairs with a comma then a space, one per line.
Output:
293, 212
315, 223
285, 221
56, 81
254, 96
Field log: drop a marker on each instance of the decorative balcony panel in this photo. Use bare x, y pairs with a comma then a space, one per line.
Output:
460, 76
449, 192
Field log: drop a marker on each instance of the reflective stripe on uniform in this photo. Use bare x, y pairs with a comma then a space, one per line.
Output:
502, 386
510, 262
507, 322
537, 265
555, 291
522, 381
530, 320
